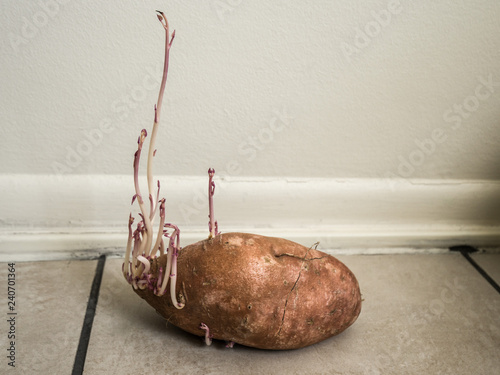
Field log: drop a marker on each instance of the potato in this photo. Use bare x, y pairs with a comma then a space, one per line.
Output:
263, 292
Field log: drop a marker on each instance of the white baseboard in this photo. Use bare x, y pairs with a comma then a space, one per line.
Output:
74, 216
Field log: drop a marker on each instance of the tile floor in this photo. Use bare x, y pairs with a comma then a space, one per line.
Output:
422, 314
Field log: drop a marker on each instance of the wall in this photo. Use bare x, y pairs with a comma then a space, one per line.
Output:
330, 90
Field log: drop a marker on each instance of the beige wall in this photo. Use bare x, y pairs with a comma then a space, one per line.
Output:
366, 89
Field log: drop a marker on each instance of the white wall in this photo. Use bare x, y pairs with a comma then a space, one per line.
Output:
257, 89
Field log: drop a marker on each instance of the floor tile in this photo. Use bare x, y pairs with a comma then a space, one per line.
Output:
51, 300
421, 314
425, 314
490, 263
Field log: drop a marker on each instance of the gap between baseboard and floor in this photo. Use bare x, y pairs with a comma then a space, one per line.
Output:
80, 216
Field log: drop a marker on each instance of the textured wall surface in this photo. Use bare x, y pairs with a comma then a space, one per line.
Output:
334, 89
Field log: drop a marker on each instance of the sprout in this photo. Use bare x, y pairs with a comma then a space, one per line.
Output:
144, 261
141, 246
159, 239
208, 336
212, 224
129, 246
171, 270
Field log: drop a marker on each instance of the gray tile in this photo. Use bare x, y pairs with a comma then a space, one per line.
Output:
51, 299
421, 314
425, 314
490, 263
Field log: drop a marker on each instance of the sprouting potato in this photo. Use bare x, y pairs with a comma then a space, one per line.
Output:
263, 292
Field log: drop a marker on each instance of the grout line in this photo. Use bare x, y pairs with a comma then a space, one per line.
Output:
81, 352
465, 251
481, 271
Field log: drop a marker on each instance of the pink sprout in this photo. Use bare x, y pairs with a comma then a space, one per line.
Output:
208, 336
212, 224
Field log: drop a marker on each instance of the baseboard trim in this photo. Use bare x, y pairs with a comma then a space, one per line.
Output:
75, 216
90, 244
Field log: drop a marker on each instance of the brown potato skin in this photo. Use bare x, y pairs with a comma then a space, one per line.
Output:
263, 292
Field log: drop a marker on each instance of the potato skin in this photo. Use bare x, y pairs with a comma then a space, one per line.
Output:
263, 292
